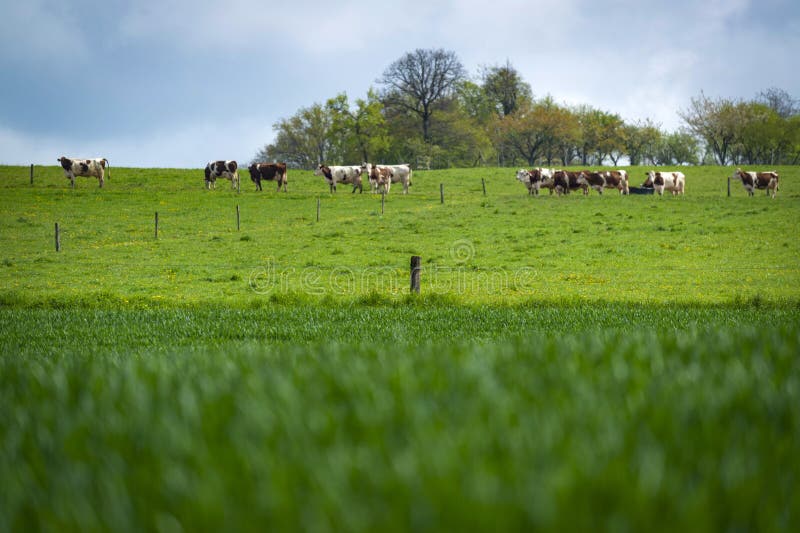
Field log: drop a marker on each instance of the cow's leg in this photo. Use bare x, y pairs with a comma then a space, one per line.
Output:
100, 179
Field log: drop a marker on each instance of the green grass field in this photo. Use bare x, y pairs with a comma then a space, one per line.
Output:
571, 364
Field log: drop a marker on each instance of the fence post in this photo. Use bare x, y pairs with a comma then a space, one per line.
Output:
317, 208
156, 225
237, 217
483, 183
729, 186
58, 239
31, 173
441, 192
415, 271
383, 200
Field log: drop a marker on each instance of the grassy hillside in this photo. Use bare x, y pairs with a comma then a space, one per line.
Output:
505, 247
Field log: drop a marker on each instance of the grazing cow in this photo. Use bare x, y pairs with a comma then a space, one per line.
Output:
268, 172
536, 178
606, 179
228, 170
595, 180
85, 167
564, 181
341, 174
757, 180
382, 178
400, 174
675, 182
617, 179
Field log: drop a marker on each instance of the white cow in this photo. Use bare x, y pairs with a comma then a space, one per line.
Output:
228, 170
85, 167
400, 174
675, 182
341, 174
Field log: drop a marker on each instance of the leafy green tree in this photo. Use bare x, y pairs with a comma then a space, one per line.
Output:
640, 141
601, 134
505, 88
302, 141
464, 142
531, 132
714, 122
677, 148
475, 102
358, 134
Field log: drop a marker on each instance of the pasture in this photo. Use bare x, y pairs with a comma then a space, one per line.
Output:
574, 363
502, 248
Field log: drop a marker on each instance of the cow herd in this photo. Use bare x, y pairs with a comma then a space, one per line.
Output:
564, 181
381, 177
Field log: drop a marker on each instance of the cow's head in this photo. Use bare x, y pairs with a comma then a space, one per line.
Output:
366, 167
323, 171
737, 174
650, 178
523, 175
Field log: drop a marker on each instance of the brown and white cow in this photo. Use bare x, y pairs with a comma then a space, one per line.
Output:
595, 180
757, 180
536, 178
228, 170
341, 174
675, 182
268, 172
85, 167
606, 179
381, 177
400, 174
617, 179
565, 181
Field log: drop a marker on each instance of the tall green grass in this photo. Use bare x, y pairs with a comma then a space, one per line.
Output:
618, 429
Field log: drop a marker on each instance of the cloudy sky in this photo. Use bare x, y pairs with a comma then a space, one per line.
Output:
175, 83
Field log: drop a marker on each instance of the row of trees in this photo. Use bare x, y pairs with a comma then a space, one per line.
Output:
426, 111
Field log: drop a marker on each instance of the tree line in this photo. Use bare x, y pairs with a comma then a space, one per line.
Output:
428, 112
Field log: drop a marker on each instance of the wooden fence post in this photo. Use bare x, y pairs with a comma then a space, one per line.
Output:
441, 192
729, 186
415, 271
237, 217
31, 173
58, 239
483, 183
156, 225
317, 208
383, 200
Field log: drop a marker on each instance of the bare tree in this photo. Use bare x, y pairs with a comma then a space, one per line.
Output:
420, 79
779, 101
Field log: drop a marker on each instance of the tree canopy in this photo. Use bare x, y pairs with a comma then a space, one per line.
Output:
428, 112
